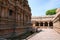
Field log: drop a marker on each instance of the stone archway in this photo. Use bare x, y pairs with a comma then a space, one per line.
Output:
46, 23
36, 24
51, 24
41, 23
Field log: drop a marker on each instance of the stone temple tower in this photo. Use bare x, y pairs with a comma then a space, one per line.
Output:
15, 17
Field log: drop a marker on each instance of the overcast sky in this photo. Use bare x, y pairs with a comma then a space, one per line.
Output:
39, 7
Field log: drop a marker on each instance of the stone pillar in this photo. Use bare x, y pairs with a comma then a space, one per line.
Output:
48, 24
39, 24
43, 24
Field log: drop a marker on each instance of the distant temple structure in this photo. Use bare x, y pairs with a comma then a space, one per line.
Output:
15, 17
43, 21
48, 21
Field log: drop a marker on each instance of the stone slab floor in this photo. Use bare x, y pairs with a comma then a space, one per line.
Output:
46, 34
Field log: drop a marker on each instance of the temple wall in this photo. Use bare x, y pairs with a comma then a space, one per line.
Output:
56, 21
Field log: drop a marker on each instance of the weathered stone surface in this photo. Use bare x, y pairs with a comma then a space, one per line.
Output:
56, 21
46, 34
14, 16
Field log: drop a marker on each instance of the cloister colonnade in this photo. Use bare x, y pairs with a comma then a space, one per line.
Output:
43, 22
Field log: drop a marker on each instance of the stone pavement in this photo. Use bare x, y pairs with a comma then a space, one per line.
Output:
46, 34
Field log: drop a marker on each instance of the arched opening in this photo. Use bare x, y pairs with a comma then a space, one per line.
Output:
46, 24
50, 23
36, 24
41, 23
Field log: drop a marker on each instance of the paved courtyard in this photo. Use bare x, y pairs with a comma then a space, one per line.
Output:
46, 34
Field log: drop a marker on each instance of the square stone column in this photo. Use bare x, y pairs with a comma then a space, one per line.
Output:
43, 24
48, 24
39, 24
